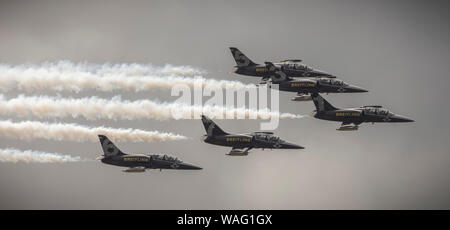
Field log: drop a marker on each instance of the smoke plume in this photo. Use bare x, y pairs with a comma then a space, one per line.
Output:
28, 130
93, 108
29, 156
65, 75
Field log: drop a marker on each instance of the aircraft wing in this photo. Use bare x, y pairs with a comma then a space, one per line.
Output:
270, 66
277, 75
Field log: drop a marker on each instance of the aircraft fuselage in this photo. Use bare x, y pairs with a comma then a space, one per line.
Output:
359, 116
259, 70
146, 161
249, 141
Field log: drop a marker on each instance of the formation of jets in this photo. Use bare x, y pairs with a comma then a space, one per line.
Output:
294, 76
290, 76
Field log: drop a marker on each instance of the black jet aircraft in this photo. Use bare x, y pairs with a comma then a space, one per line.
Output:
138, 162
264, 140
304, 87
351, 118
283, 69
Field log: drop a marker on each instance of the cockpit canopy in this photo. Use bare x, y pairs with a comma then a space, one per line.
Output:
267, 133
329, 81
167, 158
295, 65
376, 110
292, 60
267, 136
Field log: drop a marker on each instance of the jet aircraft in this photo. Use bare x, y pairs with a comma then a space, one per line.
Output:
304, 87
138, 162
286, 81
351, 118
264, 140
283, 69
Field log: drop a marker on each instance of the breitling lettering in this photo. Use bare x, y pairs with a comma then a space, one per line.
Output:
261, 69
138, 159
346, 114
238, 139
302, 85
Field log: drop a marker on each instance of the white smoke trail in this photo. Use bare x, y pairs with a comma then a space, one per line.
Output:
124, 69
28, 156
77, 77
93, 108
28, 130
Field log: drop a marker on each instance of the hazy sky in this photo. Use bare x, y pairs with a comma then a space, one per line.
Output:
398, 50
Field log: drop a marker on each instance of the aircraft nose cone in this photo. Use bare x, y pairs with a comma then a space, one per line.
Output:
293, 146
189, 166
399, 118
321, 73
355, 89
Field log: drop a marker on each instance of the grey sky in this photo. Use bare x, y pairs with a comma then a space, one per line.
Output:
398, 50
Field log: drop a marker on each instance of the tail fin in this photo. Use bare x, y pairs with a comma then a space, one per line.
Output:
240, 58
321, 104
109, 149
211, 128
270, 66
277, 76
